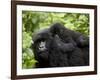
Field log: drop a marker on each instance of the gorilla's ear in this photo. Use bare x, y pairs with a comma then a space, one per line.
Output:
36, 37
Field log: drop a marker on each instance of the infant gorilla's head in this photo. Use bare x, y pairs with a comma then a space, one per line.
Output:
57, 28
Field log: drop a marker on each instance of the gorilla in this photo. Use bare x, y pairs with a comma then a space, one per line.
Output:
58, 46
40, 46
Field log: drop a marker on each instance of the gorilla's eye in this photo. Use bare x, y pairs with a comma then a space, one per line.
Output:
42, 46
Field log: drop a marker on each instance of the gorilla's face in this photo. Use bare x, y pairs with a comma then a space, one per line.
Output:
41, 46
41, 50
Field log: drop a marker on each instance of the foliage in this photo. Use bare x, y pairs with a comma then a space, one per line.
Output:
35, 21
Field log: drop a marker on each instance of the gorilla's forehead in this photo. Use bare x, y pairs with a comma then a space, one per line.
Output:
42, 34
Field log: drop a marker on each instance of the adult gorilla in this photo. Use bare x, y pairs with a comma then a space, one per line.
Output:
58, 46
40, 46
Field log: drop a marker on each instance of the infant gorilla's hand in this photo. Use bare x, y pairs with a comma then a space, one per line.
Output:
83, 41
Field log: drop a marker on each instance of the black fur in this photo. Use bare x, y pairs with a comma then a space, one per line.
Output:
62, 47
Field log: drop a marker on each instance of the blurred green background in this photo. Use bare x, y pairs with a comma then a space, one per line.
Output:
33, 21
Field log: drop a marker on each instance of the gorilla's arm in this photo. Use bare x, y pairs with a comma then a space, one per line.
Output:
57, 58
66, 47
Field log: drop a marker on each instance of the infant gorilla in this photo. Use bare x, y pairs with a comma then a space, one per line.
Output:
68, 35
58, 46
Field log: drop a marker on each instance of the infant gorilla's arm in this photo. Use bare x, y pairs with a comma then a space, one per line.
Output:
69, 36
65, 47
